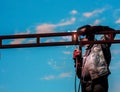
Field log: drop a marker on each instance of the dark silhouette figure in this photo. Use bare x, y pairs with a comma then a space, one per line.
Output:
93, 67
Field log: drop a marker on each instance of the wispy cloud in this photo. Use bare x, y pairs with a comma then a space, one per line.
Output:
27, 32
55, 65
117, 21
96, 22
65, 75
18, 41
93, 13
45, 28
68, 22
49, 28
59, 76
49, 77
67, 38
73, 12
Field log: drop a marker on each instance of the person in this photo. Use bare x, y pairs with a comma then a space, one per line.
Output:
93, 67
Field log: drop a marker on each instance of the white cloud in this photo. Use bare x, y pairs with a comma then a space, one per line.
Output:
96, 22
67, 38
50, 77
19, 41
45, 28
55, 65
68, 22
64, 75
60, 76
88, 14
73, 12
49, 28
92, 13
27, 32
32, 41
117, 21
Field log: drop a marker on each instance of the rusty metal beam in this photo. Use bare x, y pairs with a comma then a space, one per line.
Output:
37, 45
37, 35
51, 34
73, 35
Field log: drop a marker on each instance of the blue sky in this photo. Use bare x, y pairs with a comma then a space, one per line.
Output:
50, 69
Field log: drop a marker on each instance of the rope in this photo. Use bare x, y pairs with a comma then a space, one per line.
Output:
76, 79
79, 87
75, 83
80, 48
